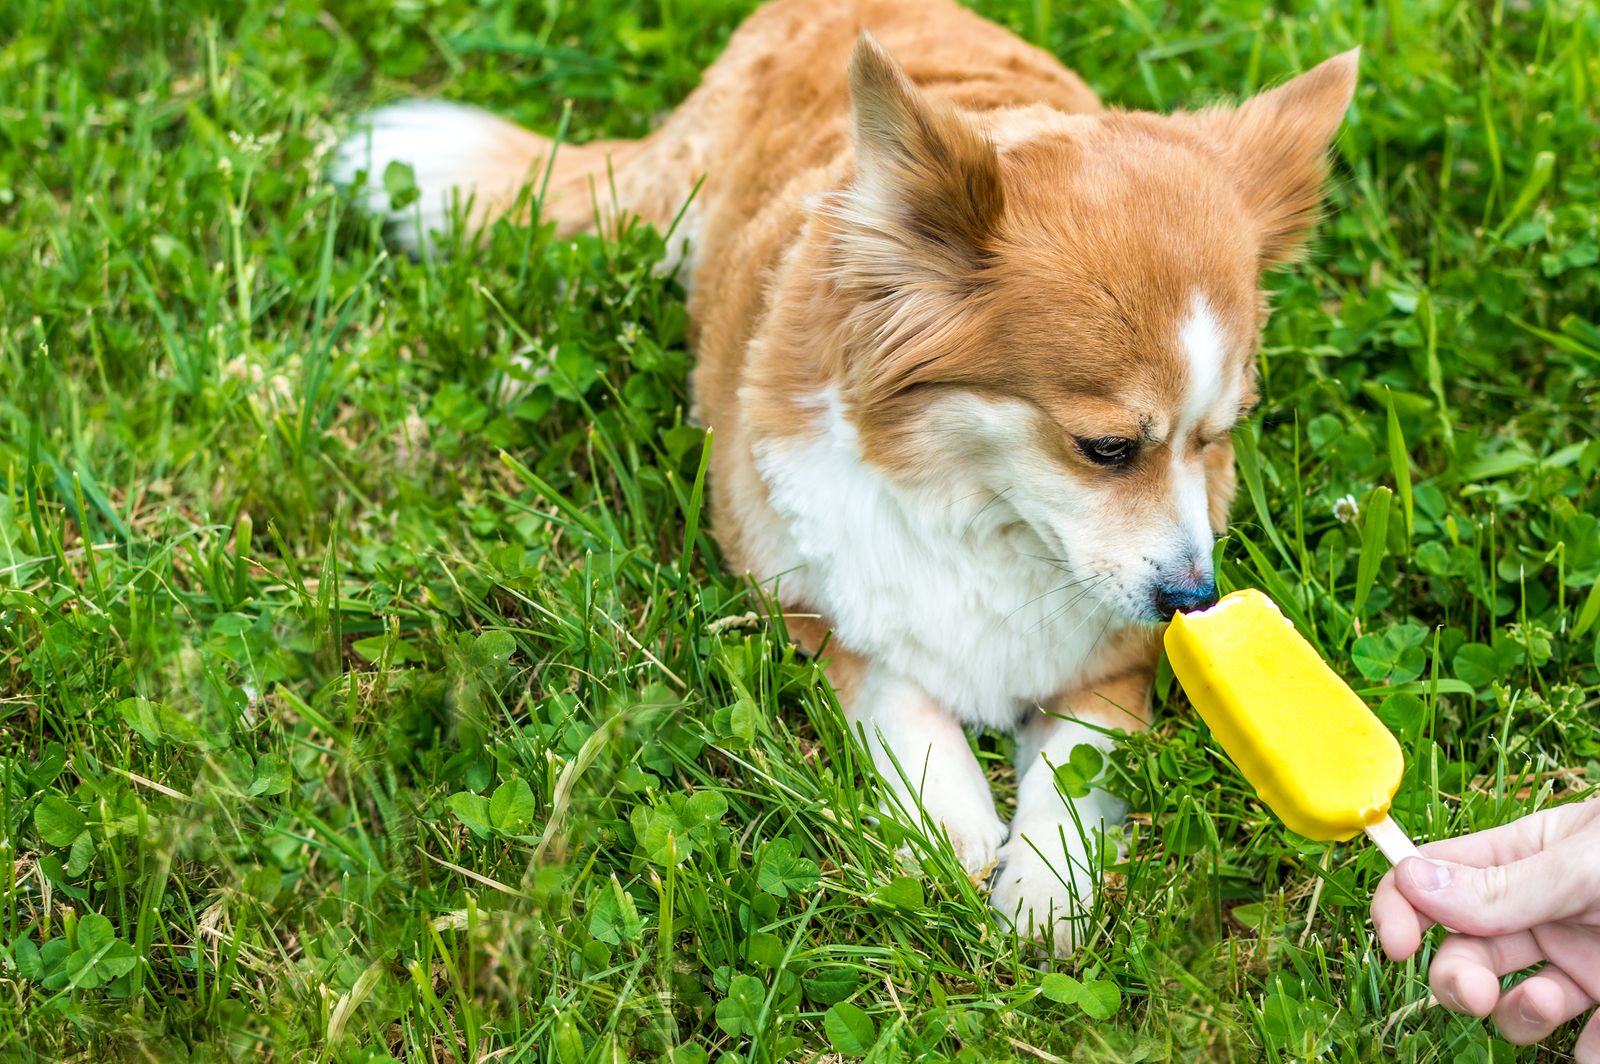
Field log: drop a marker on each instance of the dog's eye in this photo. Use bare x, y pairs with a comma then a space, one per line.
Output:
1108, 450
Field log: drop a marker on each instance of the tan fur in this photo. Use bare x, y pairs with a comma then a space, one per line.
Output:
1120, 702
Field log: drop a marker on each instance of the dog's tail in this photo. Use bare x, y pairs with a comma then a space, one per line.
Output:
467, 160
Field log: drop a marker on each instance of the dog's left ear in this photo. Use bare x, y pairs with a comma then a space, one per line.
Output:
1278, 145
926, 200
915, 229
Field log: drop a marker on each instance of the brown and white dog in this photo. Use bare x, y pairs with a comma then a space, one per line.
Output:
971, 346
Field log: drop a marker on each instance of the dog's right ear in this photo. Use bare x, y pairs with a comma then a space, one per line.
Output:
927, 199
1278, 144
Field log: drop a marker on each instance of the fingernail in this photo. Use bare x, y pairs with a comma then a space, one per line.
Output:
1530, 1015
1430, 876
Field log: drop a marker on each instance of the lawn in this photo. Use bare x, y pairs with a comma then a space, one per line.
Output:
370, 686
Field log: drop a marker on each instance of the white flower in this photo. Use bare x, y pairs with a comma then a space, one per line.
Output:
1346, 509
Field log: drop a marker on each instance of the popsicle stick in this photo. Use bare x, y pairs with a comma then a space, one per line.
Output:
1389, 838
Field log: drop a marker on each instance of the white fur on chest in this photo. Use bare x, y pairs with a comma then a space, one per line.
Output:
948, 589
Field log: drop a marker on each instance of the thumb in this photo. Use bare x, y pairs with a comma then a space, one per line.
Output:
1500, 899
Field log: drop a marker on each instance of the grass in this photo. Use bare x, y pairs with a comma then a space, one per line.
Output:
358, 706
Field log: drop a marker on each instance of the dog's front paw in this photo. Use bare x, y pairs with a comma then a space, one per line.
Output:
1049, 900
976, 839
975, 831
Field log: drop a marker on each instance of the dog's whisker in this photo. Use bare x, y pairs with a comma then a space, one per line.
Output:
1069, 585
1001, 496
1105, 626
1059, 563
1066, 609
1089, 585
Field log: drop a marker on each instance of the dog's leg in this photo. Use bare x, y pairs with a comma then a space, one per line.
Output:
1047, 874
922, 754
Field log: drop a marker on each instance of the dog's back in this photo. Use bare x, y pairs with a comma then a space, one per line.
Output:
770, 116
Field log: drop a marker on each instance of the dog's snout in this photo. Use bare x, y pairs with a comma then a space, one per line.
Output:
1194, 591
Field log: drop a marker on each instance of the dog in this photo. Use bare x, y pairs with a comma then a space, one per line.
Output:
971, 346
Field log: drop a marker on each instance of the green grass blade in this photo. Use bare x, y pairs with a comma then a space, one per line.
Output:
1400, 466
1374, 545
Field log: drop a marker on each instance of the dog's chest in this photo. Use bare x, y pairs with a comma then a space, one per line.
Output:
944, 590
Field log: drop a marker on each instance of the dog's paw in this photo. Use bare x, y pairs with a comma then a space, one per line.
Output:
1048, 900
974, 830
976, 843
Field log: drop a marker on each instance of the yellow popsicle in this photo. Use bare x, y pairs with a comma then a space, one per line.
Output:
1307, 743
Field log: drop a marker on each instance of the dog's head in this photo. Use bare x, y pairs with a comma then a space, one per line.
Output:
1061, 312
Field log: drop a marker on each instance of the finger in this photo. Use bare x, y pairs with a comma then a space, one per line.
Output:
1514, 841
1575, 949
1553, 884
1397, 924
1535, 1007
1587, 1051
1465, 973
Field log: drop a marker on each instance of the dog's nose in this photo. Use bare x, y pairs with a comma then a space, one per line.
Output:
1197, 593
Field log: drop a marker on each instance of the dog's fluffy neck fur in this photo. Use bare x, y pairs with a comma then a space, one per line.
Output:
1011, 629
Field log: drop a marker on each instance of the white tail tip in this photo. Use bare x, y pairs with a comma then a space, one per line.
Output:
456, 154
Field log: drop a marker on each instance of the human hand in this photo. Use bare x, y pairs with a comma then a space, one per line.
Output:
1513, 897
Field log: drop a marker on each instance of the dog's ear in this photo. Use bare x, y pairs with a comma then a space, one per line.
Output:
926, 200
1277, 143
915, 229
